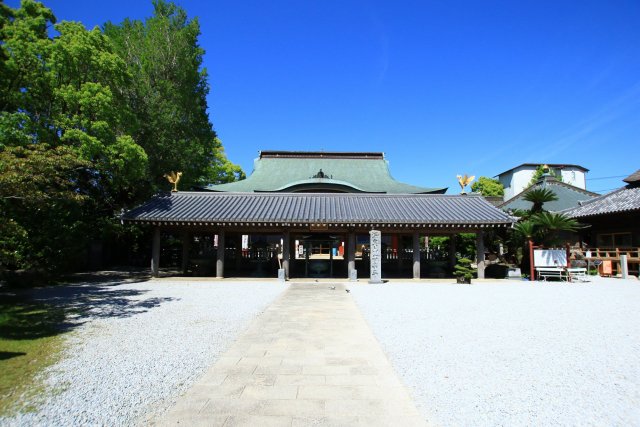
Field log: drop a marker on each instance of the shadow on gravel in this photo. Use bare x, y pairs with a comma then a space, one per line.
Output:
84, 302
48, 311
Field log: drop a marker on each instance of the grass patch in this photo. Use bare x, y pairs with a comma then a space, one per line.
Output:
30, 340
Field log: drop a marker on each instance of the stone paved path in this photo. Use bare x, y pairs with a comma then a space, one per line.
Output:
310, 359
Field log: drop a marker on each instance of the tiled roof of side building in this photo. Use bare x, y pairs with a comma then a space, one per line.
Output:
625, 199
568, 196
289, 171
633, 178
312, 208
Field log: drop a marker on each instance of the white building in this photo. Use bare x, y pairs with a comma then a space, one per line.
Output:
515, 180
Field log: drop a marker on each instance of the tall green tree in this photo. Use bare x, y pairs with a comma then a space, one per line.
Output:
42, 222
63, 101
488, 187
168, 96
25, 85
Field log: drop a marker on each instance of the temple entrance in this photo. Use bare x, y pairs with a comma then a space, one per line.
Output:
319, 256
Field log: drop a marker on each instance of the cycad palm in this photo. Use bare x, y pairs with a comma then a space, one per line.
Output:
539, 197
525, 229
550, 224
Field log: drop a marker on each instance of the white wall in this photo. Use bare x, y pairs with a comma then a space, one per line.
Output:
575, 177
518, 179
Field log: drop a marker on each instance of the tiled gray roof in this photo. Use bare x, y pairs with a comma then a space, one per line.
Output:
622, 200
312, 208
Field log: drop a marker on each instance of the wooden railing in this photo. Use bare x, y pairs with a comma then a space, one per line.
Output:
613, 255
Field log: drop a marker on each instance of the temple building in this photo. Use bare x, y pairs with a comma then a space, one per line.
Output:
315, 214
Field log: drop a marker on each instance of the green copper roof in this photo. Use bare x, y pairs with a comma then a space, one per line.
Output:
292, 171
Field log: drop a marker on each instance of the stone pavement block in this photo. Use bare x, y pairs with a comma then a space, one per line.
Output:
292, 407
327, 392
191, 405
216, 391
310, 359
365, 370
220, 407
227, 361
326, 421
233, 370
278, 370
260, 361
389, 421
270, 392
347, 361
351, 380
370, 407
300, 380
250, 379
303, 361
213, 378
258, 420
326, 370
191, 420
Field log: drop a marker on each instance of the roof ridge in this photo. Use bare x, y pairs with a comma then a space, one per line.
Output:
328, 194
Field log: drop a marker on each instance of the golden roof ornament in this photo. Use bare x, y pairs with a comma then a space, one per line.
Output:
464, 181
173, 178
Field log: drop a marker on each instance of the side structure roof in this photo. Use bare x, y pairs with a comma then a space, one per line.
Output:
210, 208
287, 171
568, 196
625, 199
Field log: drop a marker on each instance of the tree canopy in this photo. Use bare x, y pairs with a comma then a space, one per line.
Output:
488, 187
90, 121
169, 96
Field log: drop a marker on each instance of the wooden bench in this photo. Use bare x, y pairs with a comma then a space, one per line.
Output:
545, 273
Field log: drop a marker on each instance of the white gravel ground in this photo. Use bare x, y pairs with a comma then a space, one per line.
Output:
140, 345
513, 353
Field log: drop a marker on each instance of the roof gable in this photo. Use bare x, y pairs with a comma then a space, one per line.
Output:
568, 196
362, 172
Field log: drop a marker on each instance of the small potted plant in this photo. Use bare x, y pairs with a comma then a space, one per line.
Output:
463, 271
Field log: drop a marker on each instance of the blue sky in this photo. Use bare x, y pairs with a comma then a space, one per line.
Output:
442, 87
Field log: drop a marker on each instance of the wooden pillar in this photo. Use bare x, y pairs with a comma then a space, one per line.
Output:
286, 251
398, 242
480, 253
331, 259
220, 256
452, 251
186, 246
307, 247
531, 263
416, 255
155, 253
238, 255
351, 253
